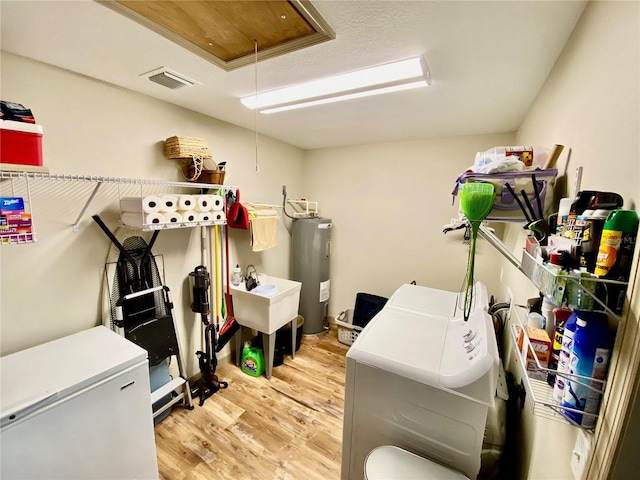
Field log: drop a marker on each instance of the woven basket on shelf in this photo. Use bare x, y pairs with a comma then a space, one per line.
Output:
185, 147
192, 154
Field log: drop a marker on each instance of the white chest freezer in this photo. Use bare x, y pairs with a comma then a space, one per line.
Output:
77, 408
421, 378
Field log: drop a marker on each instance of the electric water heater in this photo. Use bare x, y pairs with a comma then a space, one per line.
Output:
310, 253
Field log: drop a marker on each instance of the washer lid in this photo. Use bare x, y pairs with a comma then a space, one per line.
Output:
392, 463
425, 300
405, 342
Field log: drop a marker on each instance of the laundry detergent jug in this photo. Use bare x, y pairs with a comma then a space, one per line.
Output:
252, 360
589, 359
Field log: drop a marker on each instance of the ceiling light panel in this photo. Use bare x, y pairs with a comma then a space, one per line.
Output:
402, 75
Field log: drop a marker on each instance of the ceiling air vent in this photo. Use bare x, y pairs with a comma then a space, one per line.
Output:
169, 79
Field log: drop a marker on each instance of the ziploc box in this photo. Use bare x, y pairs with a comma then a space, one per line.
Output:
11, 205
20, 143
540, 342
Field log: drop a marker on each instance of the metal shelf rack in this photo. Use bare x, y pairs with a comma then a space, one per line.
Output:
542, 401
28, 177
549, 282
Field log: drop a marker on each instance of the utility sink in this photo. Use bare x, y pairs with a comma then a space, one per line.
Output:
271, 305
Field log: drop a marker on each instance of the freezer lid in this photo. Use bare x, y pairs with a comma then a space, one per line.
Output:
35, 377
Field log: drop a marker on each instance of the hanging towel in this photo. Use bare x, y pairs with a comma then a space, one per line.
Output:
263, 232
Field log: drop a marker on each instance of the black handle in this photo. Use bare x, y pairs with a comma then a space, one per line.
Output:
526, 200
517, 199
115, 241
536, 189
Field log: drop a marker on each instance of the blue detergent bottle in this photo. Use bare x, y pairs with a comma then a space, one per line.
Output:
563, 356
589, 358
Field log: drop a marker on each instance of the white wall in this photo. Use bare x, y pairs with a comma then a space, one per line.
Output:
591, 104
389, 203
51, 288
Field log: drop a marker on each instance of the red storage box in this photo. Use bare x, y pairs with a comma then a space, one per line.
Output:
20, 143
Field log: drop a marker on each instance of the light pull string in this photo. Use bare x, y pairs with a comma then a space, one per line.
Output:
255, 111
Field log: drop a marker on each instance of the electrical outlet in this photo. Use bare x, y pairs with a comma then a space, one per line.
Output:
284, 190
580, 454
501, 274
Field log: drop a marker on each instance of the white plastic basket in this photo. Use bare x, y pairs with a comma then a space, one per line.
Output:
347, 331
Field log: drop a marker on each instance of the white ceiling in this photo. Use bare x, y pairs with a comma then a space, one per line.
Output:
488, 60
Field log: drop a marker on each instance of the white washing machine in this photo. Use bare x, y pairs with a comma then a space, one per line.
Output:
421, 378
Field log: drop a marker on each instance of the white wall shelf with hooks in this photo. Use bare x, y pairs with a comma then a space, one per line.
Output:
142, 185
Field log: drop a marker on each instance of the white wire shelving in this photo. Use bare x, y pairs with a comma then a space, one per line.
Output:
552, 284
98, 181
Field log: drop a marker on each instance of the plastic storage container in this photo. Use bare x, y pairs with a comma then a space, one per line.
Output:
347, 331
20, 143
528, 155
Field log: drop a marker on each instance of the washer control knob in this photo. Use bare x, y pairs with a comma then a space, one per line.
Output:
470, 335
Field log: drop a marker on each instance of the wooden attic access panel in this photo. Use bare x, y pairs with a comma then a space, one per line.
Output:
224, 31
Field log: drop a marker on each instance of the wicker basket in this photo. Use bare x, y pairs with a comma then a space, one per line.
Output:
186, 147
210, 176
347, 331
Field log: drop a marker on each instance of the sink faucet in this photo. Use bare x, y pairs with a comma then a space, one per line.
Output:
247, 272
251, 281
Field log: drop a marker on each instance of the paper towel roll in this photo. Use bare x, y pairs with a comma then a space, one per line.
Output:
137, 220
172, 217
168, 203
189, 216
149, 204
186, 202
205, 217
219, 216
203, 203
217, 203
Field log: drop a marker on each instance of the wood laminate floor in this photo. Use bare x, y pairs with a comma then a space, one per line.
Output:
286, 428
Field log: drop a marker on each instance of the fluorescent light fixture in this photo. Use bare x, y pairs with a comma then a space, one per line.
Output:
390, 77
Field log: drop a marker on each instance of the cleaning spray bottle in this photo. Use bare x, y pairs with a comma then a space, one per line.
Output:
560, 315
563, 357
589, 358
615, 253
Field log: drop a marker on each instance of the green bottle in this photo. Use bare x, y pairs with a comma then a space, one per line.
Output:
615, 253
252, 360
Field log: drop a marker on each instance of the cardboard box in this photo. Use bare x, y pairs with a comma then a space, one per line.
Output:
20, 143
540, 342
